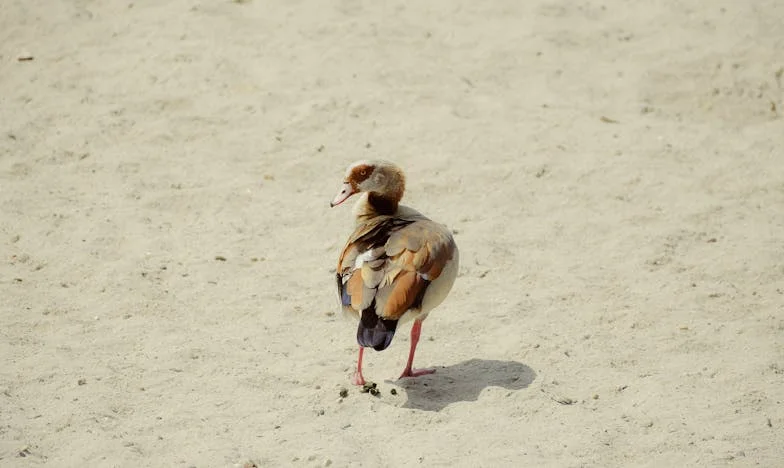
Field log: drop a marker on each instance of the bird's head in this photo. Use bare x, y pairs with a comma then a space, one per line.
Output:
379, 178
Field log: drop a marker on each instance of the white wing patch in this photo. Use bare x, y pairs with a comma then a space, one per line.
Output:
368, 256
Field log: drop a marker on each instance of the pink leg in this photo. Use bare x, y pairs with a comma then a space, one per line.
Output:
358, 378
416, 330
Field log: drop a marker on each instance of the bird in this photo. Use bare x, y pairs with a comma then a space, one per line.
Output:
397, 265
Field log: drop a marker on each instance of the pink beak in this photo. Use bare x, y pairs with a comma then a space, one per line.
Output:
345, 191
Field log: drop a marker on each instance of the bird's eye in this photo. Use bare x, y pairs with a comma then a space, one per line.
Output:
363, 172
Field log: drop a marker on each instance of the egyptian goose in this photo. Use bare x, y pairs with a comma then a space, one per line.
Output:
397, 264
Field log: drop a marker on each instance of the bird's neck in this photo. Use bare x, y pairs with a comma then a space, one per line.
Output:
382, 204
372, 204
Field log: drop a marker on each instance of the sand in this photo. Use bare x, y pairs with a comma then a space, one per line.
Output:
613, 171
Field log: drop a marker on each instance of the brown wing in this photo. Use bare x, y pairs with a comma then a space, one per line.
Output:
390, 263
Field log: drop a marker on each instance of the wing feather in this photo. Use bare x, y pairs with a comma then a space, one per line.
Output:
392, 260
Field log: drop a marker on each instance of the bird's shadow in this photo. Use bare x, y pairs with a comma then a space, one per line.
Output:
463, 382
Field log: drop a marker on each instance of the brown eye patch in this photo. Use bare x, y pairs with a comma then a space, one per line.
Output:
360, 173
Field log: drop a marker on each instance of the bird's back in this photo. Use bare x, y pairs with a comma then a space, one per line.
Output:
394, 267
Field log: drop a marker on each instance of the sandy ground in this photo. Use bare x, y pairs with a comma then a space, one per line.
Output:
613, 170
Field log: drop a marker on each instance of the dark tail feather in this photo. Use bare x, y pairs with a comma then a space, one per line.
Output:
373, 331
